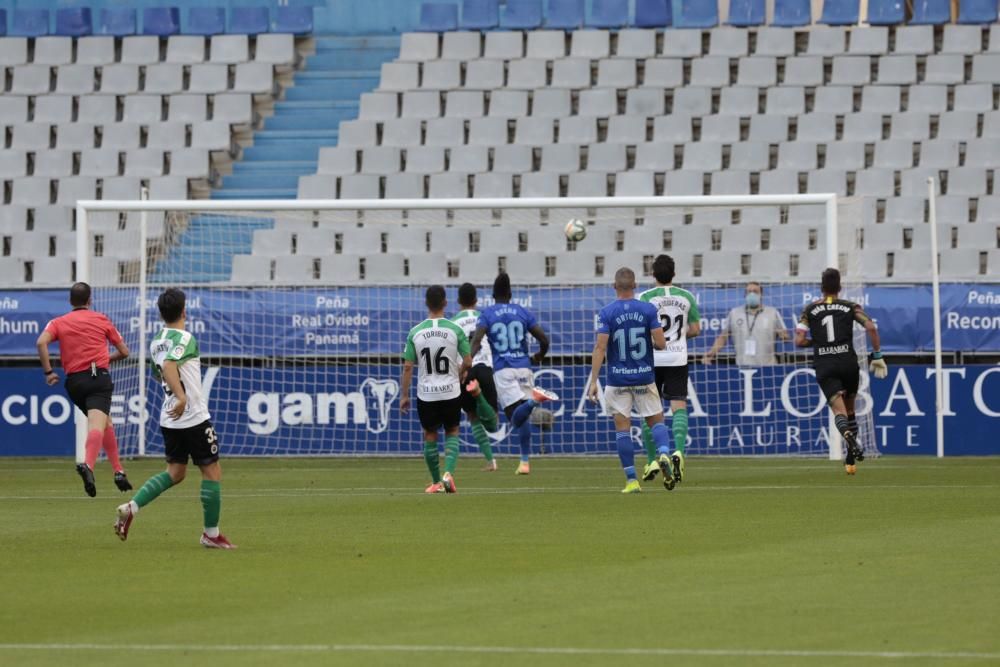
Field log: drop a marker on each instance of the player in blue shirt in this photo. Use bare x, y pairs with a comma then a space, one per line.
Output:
633, 329
506, 326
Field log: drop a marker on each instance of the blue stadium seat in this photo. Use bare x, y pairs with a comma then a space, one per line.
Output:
840, 12
608, 14
248, 20
792, 13
30, 23
564, 14
931, 12
74, 22
116, 22
480, 14
653, 13
3, 22
206, 21
977, 11
293, 20
438, 17
161, 21
698, 14
886, 12
522, 15
745, 13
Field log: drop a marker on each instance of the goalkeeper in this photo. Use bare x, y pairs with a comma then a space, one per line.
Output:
479, 394
830, 325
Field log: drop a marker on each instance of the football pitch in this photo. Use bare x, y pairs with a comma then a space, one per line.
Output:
346, 561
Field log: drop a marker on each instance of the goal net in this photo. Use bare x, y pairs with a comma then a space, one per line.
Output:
301, 310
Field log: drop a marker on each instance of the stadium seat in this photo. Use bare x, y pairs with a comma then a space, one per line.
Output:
826, 41
479, 14
116, 22
697, 14
886, 12
964, 39
140, 50
931, 12
279, 50
29, 23
871, 41
653, 13
229, 49
438, 17
746, 13
206, 21
840, 12
443, 74
792, 13
248, 20
186, 49
522, 15
293, 20
611, 14
74, 21
161, 21
564, 14
977, 11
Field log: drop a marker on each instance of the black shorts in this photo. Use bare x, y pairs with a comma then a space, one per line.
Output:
482, 374
90, 392
838, 376
672, 382
199, 442
440, 414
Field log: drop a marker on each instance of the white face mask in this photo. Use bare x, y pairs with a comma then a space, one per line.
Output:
753, 299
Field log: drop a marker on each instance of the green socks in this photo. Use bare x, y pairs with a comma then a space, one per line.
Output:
647, 443
211, 502
432, 460
450, 453
153, 487
680, 428
483, 440
487, 415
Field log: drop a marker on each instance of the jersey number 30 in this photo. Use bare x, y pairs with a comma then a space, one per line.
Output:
636, 343
506, 337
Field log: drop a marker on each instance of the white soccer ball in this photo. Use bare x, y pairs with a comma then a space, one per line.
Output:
576, 230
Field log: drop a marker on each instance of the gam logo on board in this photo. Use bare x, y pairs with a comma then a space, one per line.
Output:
370, 406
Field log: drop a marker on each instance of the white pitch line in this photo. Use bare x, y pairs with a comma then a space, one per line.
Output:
531, 650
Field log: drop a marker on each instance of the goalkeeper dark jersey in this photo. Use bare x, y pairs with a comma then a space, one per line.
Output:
830, 323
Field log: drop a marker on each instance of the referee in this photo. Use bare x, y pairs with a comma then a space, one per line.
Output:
83, 336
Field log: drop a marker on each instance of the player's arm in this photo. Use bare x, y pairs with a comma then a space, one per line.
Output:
780, 331
801, 329
464, 349
877, 367
543, 343
720, 342
115, 338
172, 377
404, 386
477, 340
597, 360
694, 319
42, 344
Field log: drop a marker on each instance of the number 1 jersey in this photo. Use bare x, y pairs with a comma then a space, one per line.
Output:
507, 326
676, 308
630, 346
436, 348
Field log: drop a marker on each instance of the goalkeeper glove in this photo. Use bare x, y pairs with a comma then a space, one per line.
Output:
878, 366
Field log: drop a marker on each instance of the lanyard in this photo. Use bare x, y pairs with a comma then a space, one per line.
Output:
753, 323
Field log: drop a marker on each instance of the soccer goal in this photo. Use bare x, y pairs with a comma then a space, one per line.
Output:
301, 309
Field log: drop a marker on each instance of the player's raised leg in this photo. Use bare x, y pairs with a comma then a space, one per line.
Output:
147, 493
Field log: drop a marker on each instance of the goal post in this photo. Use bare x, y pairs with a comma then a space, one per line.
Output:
301, 351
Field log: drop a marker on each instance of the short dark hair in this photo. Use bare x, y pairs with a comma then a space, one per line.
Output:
624, 279
501, 287
171, 304
759, 286
79, 294
663, 269
434, 297
831, 281
467, 295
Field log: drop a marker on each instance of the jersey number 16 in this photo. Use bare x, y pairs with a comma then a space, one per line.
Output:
440, 364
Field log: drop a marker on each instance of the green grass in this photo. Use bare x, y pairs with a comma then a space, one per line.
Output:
747, 555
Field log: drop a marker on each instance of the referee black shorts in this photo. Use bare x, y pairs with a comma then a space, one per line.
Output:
440, 414
90, 392
482, 374
672, 382
838, 376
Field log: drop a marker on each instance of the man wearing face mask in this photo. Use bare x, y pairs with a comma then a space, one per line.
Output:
754, 328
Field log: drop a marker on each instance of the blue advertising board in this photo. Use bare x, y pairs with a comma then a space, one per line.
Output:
306, 409
360, 321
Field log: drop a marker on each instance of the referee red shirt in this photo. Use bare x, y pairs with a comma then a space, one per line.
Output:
83, 337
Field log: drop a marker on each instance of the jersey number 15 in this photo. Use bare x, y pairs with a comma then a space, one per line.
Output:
636, 343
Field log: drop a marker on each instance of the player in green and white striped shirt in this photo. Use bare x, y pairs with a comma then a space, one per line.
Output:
679, 315
440, 350
479, 393
184, 422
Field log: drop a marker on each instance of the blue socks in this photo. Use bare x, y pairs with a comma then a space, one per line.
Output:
661, 436
626, 452
521, 413
524, 435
